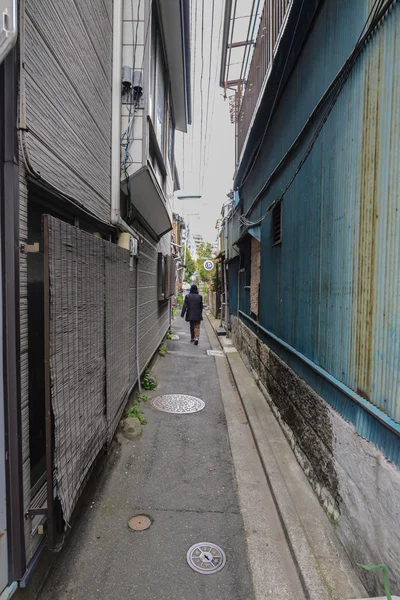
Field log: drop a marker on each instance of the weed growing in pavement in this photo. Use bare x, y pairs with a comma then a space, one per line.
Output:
148, 382
179, 300
162, 351
136, 413
384, 576
141, 398
169, 335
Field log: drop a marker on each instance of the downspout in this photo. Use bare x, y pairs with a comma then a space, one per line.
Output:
226, 279
116, 113
137, 326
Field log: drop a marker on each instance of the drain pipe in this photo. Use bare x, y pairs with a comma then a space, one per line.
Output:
226, 280
116, 112
137, 325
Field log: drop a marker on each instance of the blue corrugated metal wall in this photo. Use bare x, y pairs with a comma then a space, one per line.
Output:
332, 289
233, 275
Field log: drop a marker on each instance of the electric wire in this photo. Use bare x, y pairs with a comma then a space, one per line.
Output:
195, 13
215, 79
201, 85
208, 91
335, 88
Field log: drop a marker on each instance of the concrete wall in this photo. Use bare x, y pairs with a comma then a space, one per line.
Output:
357, 486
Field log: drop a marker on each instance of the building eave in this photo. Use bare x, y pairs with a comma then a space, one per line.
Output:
175, 23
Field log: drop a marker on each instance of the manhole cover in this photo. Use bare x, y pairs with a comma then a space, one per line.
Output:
206, 558
139, 523
215, 353
177, 403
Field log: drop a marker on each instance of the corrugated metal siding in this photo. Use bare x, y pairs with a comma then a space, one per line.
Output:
68, 61
233, 274
331, 290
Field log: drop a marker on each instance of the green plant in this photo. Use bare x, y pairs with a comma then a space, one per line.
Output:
169, 335
141, 398
136, 413
384, 576
148, 382
204, 290
162, 351
190, 266
174, 313
179, 300
204, 252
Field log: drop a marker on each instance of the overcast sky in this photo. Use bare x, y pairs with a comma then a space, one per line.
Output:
215, 148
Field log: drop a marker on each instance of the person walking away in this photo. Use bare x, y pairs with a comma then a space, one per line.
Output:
193, 309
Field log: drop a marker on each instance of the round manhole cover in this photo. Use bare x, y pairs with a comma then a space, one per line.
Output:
139, 523
206, 558
178, 403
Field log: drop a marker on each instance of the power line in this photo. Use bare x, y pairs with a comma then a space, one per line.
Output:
201, 84
195, 12
208, 90
214, 95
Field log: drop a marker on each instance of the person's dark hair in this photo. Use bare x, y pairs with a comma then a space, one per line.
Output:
193, 289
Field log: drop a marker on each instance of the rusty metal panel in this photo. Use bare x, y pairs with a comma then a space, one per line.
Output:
331, 289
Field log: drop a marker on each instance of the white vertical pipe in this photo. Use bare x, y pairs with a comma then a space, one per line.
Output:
116, 111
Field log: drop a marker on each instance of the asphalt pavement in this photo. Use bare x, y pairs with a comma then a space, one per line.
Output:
180, 473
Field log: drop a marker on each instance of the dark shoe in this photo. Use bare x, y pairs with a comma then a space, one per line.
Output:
196, 342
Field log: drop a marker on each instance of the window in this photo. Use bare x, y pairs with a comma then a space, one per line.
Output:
171, 139
166, 276
161, 277
158, 89
277, 223
160, 103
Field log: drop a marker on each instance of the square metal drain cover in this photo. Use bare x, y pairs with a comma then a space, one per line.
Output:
215, 353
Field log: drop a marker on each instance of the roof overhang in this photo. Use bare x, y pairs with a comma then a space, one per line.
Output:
175, 22
149, 201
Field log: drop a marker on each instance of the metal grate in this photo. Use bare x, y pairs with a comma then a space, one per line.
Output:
277, 224
215, 353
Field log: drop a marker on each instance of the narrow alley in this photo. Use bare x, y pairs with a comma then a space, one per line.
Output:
179, 473
196, 483
235, 162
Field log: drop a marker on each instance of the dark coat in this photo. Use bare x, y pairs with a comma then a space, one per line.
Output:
193, 307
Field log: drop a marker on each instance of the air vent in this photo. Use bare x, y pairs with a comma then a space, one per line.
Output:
277, 224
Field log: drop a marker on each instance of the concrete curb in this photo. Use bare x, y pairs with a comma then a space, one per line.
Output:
324, 568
